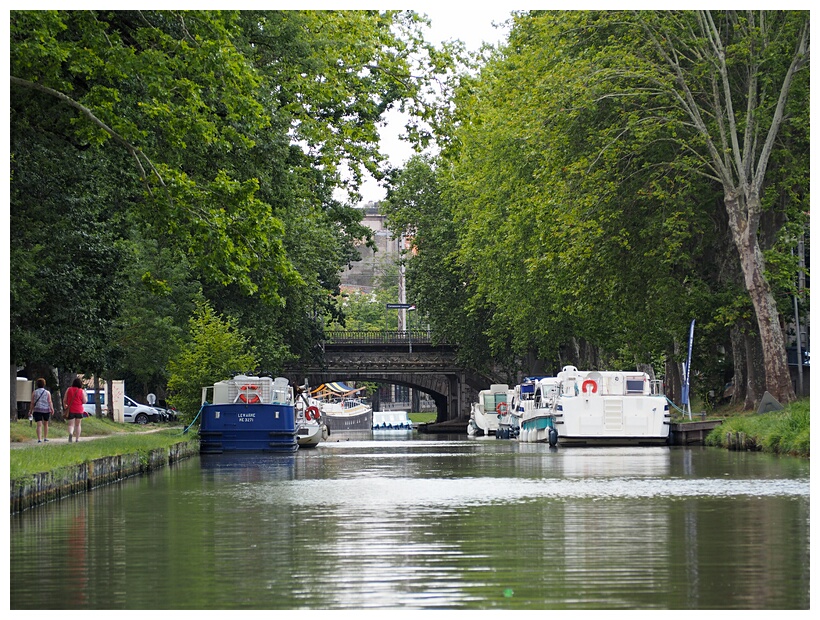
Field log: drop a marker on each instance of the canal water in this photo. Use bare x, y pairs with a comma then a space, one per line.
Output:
429, 522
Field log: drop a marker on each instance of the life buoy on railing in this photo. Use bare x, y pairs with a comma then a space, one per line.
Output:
312, 413
501, 409
249, 399
591, 384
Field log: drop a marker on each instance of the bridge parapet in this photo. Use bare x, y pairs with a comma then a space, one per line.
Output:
379, 337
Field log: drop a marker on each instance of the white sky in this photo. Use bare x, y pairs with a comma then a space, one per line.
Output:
473, 26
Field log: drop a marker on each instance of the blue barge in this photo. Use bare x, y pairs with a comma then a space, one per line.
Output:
248, 414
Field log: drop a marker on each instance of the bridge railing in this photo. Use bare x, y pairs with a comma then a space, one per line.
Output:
419, 336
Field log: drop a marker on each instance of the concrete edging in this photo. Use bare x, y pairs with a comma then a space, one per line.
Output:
47, 486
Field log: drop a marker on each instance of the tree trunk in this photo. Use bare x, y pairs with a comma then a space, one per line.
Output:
109, 396
744, 234
13, 392
673, 379
65, 379
97, 405
739, 361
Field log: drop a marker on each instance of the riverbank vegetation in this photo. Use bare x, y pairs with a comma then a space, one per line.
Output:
36, 458
601, 179
781, 432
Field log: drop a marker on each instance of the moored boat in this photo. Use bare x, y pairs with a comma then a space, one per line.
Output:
610, 408
342, 408
538, 412
384, 421
311, 427
248, 414
484, 414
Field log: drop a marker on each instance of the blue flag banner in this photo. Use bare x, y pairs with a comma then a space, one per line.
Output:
687, 366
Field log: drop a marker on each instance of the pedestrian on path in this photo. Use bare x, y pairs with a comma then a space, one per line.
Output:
75, 398
41, 409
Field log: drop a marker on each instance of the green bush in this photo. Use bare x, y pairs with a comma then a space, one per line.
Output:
214, 351
781, 432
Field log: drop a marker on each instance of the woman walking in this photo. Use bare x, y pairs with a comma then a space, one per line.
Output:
74, 400
41, 409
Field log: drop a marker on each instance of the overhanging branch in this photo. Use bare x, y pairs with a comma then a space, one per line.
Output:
135, 152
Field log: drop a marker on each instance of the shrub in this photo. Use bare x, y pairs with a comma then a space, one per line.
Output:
213, 352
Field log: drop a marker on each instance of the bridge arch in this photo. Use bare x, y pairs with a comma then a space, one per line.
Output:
404, 358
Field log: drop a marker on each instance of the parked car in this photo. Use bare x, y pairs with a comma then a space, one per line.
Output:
132, 410
169, 413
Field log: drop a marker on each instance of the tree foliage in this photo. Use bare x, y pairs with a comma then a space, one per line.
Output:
200, 152
588, 183
215, 351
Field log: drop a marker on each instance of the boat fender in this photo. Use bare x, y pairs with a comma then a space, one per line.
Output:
591, 384
501, 409
312, 413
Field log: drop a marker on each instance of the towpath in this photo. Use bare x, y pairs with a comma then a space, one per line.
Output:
62, 437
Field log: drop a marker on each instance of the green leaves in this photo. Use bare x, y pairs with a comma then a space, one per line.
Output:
215, 350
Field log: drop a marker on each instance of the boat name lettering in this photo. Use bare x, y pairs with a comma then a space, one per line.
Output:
246, 417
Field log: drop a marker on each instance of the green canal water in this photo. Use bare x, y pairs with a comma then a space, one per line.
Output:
423, 522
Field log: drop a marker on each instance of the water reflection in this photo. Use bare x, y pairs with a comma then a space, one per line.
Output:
439, 524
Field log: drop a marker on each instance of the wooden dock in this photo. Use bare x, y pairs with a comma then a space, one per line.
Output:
689, 433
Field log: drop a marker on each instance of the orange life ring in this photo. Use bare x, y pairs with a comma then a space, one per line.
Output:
312, 413
592, 384
500, 407
249, 399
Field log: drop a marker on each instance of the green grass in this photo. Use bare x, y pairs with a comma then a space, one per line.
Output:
422, 418
780, 432
22, 430
52, 456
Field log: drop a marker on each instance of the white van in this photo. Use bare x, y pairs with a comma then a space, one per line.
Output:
132, 411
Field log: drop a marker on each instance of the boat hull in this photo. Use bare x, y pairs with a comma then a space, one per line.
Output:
612, 421
538, 429
311, 435
611, 441
349, 422
391, 422
240, 427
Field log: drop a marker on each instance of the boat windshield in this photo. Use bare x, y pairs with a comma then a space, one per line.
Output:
492, 400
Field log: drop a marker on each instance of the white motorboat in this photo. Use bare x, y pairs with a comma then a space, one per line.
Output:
391, 421
610, 408
538, 412
311, 429
493, 403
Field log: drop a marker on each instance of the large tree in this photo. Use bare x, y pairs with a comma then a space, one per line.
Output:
735, 75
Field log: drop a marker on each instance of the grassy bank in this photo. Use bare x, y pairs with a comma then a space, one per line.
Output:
119, 439
780, 432
22, 430
422, 418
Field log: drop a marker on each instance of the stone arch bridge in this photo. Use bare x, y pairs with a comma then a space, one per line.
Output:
407, 357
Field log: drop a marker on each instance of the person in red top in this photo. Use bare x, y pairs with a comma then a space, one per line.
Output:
73, 403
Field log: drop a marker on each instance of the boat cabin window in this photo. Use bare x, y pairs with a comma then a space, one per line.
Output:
634, 386
491, 401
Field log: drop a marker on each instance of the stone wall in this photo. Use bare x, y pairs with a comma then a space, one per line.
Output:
51, 485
